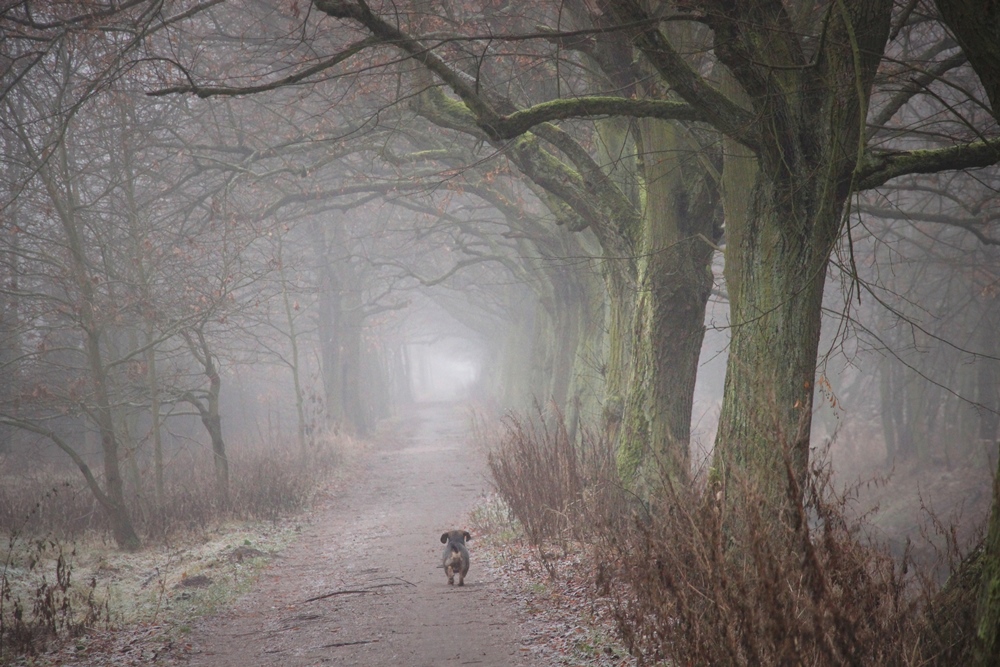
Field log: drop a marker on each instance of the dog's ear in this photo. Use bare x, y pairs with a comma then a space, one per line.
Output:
444, 538
467, 536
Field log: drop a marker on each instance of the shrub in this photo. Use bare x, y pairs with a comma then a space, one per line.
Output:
264, 484
695, 579
702, 582
544, 477
31, 617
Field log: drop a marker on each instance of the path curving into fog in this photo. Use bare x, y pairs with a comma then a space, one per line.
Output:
370, 554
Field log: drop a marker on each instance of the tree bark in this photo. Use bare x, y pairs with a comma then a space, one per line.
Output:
976, 26
986, 650
784, 202
114, 504
679, 234
208, 410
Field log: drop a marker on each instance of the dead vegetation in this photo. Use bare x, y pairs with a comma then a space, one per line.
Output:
692, 579
562, 622
60, 579
265, 484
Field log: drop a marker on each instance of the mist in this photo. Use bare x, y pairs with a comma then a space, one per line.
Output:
235, 233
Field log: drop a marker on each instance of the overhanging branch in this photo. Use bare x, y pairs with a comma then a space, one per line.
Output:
877, 168
290, 80
519, 122
88, 475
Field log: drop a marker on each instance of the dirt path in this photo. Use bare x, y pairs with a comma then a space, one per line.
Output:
373, 550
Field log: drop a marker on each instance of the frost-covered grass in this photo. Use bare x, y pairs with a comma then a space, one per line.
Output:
104, 588
63, 578
264, 483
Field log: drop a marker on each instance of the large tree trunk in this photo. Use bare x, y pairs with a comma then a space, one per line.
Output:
987, 630
784, 208
775, 291
679, 232
976, 26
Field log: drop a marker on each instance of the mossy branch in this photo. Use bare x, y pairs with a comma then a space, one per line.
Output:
878, 168
521, 121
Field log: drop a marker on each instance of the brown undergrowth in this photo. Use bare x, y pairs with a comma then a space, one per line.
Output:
562, 622
692, 578
61, 578
263, 484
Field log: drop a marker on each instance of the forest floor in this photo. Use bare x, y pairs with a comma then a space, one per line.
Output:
356, 579
361, 583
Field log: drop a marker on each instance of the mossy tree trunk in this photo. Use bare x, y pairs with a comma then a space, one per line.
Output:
784, 195
986, 650
680, 229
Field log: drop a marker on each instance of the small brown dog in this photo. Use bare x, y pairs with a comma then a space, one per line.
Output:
455, 556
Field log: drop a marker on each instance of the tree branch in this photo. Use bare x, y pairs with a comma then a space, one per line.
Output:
879, 167
290, 80
521, 121
461, 83
88, 475
972, 225
719, 111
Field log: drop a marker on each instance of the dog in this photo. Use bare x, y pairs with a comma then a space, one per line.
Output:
455, 556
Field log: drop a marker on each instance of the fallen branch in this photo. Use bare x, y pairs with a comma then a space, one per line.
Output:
330, 595
355, 591
362, 641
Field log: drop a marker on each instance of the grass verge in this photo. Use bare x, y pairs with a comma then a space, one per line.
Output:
68, 597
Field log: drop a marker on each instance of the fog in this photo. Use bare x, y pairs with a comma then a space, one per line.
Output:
444, 370
212, 242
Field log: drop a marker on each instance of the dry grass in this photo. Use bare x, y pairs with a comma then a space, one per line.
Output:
696, 580
263, 484
61, 577
545, 478
104, 589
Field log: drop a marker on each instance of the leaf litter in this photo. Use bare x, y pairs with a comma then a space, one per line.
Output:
564, 620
